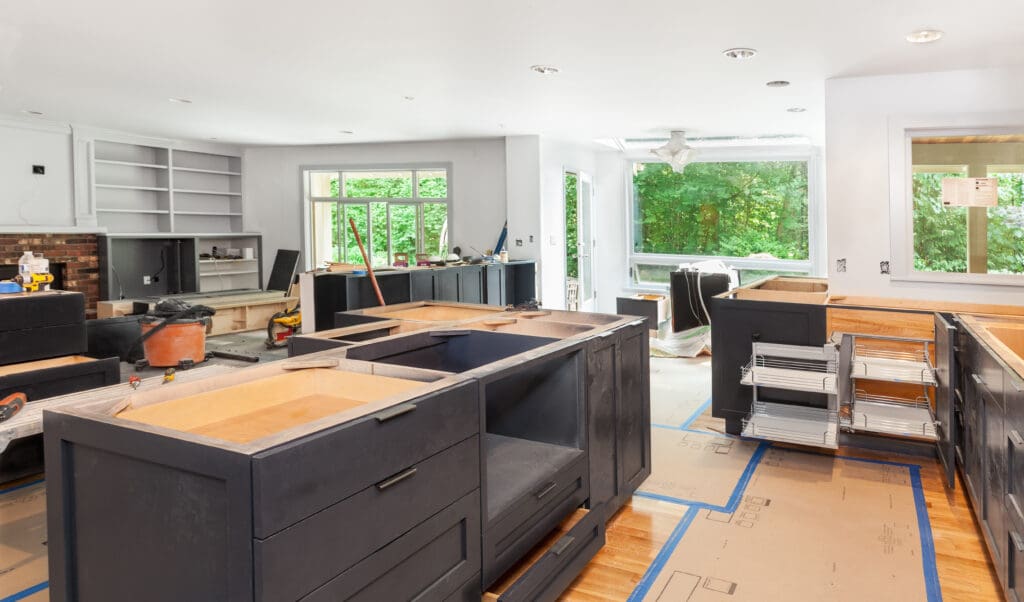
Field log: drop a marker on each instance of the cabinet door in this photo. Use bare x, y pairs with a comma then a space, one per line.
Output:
1013, 428
995, 475
1015, 562
602, 420
421, 285
634, 415
471, 286
945, 364
494, 284
974, 443
446, 284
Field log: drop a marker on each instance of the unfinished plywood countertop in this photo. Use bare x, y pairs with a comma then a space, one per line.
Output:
248, 411
1005, 336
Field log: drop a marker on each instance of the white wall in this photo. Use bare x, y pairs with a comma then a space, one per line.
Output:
27, 199
857, 170
606, 171
522, 169
272, 181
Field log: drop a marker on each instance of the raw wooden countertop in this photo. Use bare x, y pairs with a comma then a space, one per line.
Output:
981, 325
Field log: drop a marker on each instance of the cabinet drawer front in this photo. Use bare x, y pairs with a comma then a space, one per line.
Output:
430, 562
1015, 561
1015, 472
551, 574
306, 555
532, 517
988, 370
295, 480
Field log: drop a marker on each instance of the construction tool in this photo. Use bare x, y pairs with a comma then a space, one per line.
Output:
242, 357
501, 238
281, 326
134, 381
34, 281
366, 259
11, 405
168, 376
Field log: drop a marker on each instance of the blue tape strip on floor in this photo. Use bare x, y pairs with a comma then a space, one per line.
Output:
924, 525
22, 486
689, 421
654, 570
737, 491
35, 589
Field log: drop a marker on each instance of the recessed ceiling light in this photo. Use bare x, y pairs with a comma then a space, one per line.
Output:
740, 54
183, 101
211, 138
777, 83
545, 69
32, 113
409, 97
346, 132
924, 36
796, 109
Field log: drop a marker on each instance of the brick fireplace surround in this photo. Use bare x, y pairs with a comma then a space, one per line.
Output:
80, 253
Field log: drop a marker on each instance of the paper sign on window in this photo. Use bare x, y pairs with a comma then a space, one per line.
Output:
970, 192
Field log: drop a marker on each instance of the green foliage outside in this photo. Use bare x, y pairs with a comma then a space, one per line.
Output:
572, 269
404, 229
734, 209
940, 233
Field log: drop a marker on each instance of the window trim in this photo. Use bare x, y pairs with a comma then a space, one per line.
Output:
307, 200
813, 265
902, 130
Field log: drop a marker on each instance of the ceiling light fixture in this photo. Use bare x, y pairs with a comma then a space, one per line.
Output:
545, 69
777, 83
183, 101
796, 109
32, 113
924, 36
740, 54
675, 152
410, 98
346, 132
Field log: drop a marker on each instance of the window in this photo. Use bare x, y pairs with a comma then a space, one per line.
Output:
753, 214
395, 211
977, 243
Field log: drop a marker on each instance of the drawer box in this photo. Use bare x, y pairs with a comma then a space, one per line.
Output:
531, 517
552, 565
307, 555
430, 562
40, 325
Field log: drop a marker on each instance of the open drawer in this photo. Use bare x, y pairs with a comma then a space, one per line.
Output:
547, 570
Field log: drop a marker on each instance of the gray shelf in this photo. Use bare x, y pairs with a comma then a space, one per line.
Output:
789, 423
514, 467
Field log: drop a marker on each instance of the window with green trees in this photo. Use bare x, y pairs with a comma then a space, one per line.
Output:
395, 211
941, 232
755, 210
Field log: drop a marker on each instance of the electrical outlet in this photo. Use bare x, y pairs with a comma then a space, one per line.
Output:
841, 265
883, 267
519, 242
146, 280
39, 170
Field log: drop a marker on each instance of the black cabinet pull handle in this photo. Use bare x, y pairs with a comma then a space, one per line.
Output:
395, 480
1016, 439
977, 379
1018, 542
562, 545
395, 412
545, 490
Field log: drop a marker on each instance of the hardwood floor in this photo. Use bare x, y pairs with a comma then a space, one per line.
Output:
637, 532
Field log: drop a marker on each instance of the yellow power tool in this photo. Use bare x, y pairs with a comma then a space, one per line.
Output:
35, 282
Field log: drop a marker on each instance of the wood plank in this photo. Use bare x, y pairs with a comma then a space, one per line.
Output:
55, 362
882, 323
927, 306
250, 410
781, 296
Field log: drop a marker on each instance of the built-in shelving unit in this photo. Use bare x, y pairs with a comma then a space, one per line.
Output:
230, 269
150, 189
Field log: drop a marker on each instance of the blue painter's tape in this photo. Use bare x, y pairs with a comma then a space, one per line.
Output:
663, 555
704, 406
22, 486
35, 589
931, 572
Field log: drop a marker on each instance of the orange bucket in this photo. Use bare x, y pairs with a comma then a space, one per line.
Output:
185, 340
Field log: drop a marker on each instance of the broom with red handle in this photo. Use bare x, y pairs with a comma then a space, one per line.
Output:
366, 259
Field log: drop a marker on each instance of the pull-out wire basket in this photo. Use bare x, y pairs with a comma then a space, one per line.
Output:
816, 427
792, 367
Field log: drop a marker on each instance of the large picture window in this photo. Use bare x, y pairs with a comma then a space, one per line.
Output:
395, 211
754, 215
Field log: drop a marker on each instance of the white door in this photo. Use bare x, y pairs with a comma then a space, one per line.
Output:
579, 238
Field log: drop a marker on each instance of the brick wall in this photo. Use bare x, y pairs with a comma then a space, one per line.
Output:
78, 251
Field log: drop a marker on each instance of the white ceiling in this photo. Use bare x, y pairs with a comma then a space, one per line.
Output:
278, 72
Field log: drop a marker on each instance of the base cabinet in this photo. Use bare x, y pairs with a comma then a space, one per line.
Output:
619, 415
